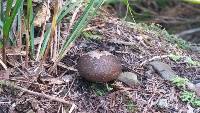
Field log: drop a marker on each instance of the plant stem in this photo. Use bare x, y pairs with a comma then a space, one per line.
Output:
1, 10
27, 48
4, 50
11, 84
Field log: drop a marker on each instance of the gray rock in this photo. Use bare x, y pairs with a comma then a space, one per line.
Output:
162, 103
197, 89
67, 78
190, 86
194, 86
196, 81
195, 48
164, 70
128, 78
30, 111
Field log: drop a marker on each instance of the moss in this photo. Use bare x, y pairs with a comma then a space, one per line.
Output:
158, 31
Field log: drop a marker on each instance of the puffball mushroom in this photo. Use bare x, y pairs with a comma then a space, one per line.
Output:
99, 66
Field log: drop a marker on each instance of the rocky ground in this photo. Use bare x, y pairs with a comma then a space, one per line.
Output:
150, 58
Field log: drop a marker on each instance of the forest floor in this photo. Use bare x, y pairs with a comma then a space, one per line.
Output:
136, 45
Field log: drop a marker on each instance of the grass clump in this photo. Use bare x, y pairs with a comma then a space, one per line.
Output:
169, 37
186, 95
190, 97
131, 106
101, 89
49, 47
185, 59
157, 31
180, 82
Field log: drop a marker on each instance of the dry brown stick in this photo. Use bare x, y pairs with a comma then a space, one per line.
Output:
27, 47
154, 58
122, 42
8, 83
3, 65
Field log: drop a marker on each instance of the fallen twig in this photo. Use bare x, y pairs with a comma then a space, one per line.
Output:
122, 42
1, 103
66, 67
10, 84
72, 108
3, 65
154, 58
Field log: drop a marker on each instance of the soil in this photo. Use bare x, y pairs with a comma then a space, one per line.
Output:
133, 44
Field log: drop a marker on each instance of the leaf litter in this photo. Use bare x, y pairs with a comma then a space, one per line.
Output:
133, 44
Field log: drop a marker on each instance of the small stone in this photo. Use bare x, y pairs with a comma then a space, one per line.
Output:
197, 89
128, 78
67, 78
162, 103
164, 70
40, 110
190, 86
30, 111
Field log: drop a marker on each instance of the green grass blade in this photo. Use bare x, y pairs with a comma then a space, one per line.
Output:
19, 26
1, 10
66, 9
129, 9
1, 24
69, 6
1, 21
8, 7
32, 40
12, 40
83, 18
80, 24
1, 44
9, 20
45, 42
30, 26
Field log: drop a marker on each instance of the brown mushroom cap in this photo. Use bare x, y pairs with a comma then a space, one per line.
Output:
99, 66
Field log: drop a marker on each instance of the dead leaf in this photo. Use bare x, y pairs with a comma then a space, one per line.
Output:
51, 80
42, 16
4, 75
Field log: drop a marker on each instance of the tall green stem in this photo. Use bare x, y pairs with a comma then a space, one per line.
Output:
1, 10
